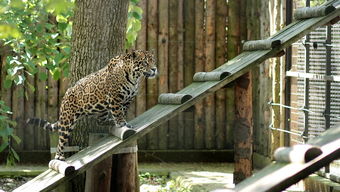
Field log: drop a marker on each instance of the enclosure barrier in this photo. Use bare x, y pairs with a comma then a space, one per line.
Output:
320, 152
160, 113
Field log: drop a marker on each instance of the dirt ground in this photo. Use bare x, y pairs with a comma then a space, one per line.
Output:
9, 184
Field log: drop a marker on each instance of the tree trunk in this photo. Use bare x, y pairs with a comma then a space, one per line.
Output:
98, 34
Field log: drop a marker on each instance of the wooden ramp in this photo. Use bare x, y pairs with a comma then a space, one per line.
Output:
287, 174
163, 112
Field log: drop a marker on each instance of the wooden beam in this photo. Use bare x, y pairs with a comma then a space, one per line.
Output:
161, 113
243, 134
288, 174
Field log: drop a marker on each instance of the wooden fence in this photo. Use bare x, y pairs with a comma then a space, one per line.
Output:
187, 37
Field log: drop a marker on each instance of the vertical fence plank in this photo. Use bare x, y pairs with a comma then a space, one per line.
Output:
163, 43
180, 80
189, 46
209, 66
141, 44
173, 68
6, 94
28, 140
52, 107
152, 88
221, 14
18, 114
199, 122
40, 110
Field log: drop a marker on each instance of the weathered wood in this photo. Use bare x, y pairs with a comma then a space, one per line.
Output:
29, 113
199, 125
122, 132
310, 12
173, 99
61, 167
163, 63
296, 154
243, 134
210, 76
261, 44
41, 135
52, 108
159, 113
173, 68
152, 88
142, 45
220, 59
180, 78
288, 174
101, 170
188, 66
209, 66
18, 113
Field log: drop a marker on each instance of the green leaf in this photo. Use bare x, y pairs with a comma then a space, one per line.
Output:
136, 15
43, 76
56, 73
15, 154
16, 139
3, 117
3, 146
8, 83
134, 1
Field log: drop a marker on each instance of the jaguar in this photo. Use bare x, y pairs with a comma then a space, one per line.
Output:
105, 94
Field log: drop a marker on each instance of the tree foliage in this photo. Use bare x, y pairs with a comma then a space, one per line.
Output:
38, 34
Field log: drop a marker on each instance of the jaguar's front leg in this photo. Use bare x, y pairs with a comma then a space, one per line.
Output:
119, 115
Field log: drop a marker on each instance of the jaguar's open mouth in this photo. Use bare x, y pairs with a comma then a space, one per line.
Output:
151, 74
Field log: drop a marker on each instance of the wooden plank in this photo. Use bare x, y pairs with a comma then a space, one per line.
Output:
29, 113
209, 102
18, 114
288, 174
173, 68
141, 44
163, 64
41, 135
52, 108
189, 60
160, 113
152, 44
180, 64
5, 94
220, 108
199, 125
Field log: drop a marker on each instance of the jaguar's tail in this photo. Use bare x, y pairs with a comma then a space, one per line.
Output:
43, 123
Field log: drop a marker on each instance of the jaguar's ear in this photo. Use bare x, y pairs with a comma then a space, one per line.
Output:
134, 54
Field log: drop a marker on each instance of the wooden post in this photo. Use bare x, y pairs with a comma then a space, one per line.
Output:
173, 68
98, 178
141, 44
152, 88
221, 14
125, 172
163, 63
243, 133
199, 126
210, 120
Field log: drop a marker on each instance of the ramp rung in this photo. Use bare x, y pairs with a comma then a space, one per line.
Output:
61, 167
210, 76
173, 98
261, 44
310, 12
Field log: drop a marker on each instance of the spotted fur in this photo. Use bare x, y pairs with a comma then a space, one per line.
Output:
106, 94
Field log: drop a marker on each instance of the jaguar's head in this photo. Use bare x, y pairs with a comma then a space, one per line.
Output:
144, 63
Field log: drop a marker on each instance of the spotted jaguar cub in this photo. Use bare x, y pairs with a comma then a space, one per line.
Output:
106, 94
